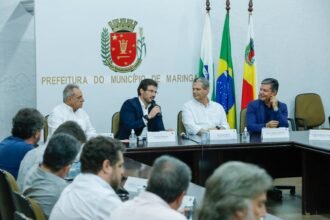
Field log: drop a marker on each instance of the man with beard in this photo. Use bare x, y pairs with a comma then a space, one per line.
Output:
92, 193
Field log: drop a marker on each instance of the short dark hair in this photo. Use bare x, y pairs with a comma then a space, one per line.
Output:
72, 128
27, 122
272, 82
61, 151
204, 81
169, 177
97, 150
68, 91
145, 83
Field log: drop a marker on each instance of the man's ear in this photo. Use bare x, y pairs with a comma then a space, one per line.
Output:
106, 167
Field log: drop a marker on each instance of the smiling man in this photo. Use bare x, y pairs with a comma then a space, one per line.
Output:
202, 114
71, 110
267, 111
141, 113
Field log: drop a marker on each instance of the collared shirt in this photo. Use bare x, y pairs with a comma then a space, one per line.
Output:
145, 112
197, 116
88, 197
44, 187
64, 112
146, 206
12, 151
30, 161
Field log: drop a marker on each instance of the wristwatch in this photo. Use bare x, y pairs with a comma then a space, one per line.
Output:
146, 117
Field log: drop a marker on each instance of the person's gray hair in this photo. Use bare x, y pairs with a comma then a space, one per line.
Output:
272, 82
205, 82
231, 188
68, 91
169, 178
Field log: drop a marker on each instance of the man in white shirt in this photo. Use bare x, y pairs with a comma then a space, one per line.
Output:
71, 110
167, 184
202, 114
34, 157
92, 195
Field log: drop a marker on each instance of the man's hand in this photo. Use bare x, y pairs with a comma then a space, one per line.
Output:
274, 103
272, 124
154, 111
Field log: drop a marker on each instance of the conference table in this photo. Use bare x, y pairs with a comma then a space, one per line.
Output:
292, 157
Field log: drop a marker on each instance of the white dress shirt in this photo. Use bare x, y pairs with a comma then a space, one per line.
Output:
88, 197
63, 113
146, 206
197, 116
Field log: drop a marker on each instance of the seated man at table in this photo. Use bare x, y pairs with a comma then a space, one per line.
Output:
201, 114
45, 183
71, 110
168, 182
34, 157
141, 113
92, 195
235, 190
27, 125
267, 111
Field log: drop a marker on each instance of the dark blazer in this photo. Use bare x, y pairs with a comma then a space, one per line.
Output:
131, 115
255, 116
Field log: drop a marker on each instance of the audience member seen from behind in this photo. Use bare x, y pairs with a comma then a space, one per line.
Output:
141, 113
167, 185
266, 111
27, 125
71, 110
201, 114
235, 191
45, 182
92, 195
34, 157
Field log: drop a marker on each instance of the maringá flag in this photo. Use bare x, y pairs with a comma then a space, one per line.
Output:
250, 75
225, 89
206, 60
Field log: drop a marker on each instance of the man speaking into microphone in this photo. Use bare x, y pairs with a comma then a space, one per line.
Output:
266, 111
141, 113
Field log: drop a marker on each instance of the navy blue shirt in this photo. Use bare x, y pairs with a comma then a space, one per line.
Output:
12, 151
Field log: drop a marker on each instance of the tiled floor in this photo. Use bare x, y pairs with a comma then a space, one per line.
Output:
290, 207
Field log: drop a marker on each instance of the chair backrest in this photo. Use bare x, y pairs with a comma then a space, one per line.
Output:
7, 186
242, 119
115, 123
309, 110
21, 216
27, 206
46, 128
180, 127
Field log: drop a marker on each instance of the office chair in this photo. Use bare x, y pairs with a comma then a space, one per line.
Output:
115, 123
309, 111
179, 125
7, 186
46, 128
242, 120
21, 216
28, 207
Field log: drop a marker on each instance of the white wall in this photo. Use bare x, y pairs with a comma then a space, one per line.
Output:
291, 41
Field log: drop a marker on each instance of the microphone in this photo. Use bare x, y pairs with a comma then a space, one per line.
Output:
153, 104
184, 136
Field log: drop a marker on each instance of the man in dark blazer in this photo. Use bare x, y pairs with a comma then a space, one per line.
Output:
141, 113
267, 111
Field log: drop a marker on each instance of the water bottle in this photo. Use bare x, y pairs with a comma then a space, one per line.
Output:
245, 136
132, 139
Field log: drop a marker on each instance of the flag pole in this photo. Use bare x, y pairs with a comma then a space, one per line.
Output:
250, 7
208, 8
227, 5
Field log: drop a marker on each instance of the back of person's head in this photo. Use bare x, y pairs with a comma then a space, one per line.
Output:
97, 150
169, 178
27, 122
272, 82
230, 190
68, 91
145, 83
72, 128
61, 151
205, 82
